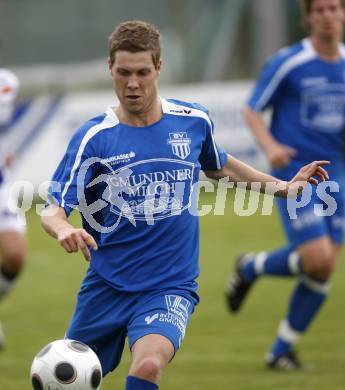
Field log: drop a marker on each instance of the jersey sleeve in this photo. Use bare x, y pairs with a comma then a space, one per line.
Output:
73, 174
211, 157
269, 85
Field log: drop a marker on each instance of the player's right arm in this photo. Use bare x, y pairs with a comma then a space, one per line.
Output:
267, 92
278, 155
63, 195
55, 222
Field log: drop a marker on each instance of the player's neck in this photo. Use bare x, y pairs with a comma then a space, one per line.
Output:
153, 113
327, 49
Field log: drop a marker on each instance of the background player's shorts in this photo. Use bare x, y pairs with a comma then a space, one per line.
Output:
309, 225
104, 317
10, 216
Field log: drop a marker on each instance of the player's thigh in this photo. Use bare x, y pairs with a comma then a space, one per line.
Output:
165, 313
11, 220
12, 232
100, 319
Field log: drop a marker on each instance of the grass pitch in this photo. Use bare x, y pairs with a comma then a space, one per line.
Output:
220, 351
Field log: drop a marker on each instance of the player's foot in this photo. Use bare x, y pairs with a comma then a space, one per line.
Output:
2, 337
237, 288
286, 362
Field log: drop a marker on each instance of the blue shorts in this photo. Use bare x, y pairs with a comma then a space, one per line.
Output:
303, 224
104, 317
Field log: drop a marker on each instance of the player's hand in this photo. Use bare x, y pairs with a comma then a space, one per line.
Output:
72, 240
279, 155
307, 175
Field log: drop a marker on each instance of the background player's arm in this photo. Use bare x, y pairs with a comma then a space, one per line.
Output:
238, 171
277, 154
55, 222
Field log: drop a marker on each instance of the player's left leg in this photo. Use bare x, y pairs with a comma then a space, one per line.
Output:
150, 356
155, 334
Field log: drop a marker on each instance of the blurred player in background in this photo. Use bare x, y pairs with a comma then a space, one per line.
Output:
304, 85
12, 225
131, 171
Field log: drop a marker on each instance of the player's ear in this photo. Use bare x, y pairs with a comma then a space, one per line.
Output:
159, 66
110, 64
343, 14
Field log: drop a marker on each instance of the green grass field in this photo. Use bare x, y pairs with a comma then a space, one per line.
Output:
219, 352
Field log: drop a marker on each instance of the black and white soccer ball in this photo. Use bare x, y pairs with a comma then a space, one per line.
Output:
66, 365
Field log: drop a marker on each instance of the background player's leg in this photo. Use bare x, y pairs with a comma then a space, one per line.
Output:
150, 355
12, 254
284, 261
318, 262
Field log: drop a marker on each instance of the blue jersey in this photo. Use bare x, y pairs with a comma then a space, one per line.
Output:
307, 95
134, 189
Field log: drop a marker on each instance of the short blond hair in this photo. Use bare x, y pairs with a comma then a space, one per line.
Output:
135, 36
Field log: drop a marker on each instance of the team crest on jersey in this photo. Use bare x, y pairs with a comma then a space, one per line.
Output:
180, 142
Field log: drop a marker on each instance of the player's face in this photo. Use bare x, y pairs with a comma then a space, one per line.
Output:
135, 80
326, 19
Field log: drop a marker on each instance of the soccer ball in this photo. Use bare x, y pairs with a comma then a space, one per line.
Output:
66, 365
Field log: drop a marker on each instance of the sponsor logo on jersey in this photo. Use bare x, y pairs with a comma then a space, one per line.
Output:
323, 107
180, 144
121, 158
139, 193
310, 81
145, 190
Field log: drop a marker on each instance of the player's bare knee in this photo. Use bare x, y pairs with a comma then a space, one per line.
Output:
322, 267
14, 261
148, 368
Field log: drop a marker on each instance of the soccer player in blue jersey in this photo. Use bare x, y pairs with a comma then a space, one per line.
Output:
12, 225
131, 172
304, 85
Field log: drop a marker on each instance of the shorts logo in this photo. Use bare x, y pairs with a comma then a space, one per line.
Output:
178, 306
150, 319
180, 144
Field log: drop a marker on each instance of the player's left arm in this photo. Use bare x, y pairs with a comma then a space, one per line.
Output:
237, 171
